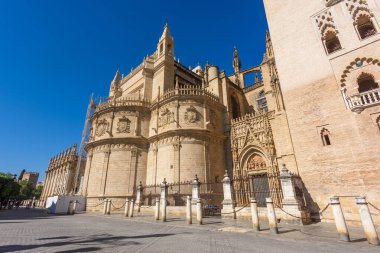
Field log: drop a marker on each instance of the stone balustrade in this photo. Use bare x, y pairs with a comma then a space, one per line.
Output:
129, 100
186, 91
357, 103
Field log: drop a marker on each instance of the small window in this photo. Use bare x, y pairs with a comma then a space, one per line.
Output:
365, 27
325, 135
161, 48
332, 42
262, 104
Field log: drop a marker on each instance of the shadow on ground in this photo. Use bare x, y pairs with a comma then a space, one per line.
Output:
91, 242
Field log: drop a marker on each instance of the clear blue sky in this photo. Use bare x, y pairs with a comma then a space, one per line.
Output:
54, 54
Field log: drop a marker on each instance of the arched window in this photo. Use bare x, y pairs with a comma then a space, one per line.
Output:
366, 82
332, 42
262, 102
365, 26
325, 135
235, 107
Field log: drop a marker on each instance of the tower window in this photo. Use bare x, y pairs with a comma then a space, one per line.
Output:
365, 27
161, 48
332, 42
325, 135
366, 82
262, 104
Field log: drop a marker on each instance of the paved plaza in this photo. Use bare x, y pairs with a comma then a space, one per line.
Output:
36, 231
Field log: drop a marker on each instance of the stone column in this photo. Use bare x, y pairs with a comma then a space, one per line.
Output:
139, 193
105, 172
157, 210
109, 206
195, 193
131, 208
164, 194
199, 211
339, 219
105, 207
228, 204
255, 215
126, 210
271, 216
87, 172
290, 203
367, 222
189, 217
75, 206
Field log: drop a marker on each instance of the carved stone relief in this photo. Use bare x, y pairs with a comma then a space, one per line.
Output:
166, 117
101, 127
191, 115
124, 125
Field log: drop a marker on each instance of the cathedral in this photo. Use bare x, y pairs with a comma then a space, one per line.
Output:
313, 105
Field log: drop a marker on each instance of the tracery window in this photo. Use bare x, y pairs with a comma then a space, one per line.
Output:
262, 104
325, 135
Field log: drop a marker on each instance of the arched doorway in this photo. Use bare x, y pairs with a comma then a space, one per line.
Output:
259, 181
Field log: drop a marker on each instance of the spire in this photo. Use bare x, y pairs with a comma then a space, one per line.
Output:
236, 61
166, 33
116, 79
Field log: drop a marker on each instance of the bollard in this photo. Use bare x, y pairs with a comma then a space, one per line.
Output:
132, 207
199, 211
255, 215
339, 219
105, 207
271, 216
74, 207
189, 217
126, 210
163, 213
109, 207
367, 222
157, 211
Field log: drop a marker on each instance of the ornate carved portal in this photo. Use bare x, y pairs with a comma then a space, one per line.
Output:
256, 173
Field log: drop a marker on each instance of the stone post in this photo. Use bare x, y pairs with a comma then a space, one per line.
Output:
132, 207
189, 217
105, 207
199, 211
195, 192
109, 206
290, 203
339, 219
228, 204
74, 207
164, 195
271, 216
255, 215
367, 222
139, 193
157, 211
126, 209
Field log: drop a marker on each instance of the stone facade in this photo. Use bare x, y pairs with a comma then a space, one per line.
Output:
31, 177
165, 121
61, 173
327, 55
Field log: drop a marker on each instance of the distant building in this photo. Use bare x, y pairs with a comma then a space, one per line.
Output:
31, 177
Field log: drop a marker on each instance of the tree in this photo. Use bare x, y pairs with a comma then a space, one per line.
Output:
9, 189
37, 192
26, 189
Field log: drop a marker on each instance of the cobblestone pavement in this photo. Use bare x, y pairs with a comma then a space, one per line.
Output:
35, 231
